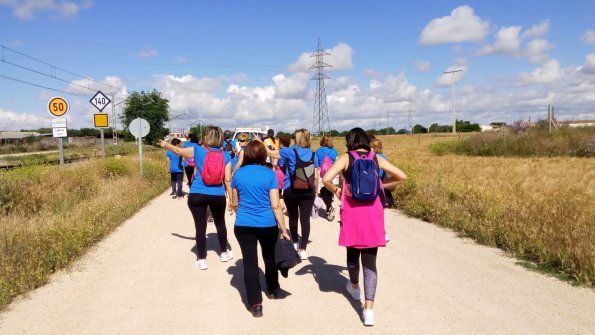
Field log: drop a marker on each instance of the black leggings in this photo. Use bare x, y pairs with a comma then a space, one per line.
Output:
189, 172
327, 197
299, 206
177, 178
368, 257
197, 203
248, 237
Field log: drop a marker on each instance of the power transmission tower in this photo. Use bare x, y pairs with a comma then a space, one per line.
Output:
454, 113
409, 121
320, 120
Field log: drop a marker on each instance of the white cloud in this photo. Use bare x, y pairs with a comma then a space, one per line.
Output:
535, 50
11, 121
461, 26
340, 58
25, 9
423, 65
588, 37
589, 66
537, 30
546, 73
507, 42
146, 53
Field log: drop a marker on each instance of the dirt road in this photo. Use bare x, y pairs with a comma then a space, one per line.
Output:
142, 280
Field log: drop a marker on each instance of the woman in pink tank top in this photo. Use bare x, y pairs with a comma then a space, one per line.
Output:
362, 222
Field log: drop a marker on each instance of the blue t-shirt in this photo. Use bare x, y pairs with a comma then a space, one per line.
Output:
233, 145
175, 162
288, 161
323, 152
381, 173
186, 145
198, 186
254, 183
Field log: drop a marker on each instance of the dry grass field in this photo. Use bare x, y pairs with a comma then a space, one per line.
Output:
538, 209
50, 215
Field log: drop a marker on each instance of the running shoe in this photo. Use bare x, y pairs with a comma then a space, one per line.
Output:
256, 310
226, 256
303, 254
368, 316
201, 264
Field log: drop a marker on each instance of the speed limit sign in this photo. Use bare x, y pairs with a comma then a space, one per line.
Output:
58, 106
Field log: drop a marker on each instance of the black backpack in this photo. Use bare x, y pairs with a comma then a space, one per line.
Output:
229, 148
302, 178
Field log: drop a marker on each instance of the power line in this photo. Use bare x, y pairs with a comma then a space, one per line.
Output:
41, 86
52, 67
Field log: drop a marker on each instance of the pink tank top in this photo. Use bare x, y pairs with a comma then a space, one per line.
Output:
362, 224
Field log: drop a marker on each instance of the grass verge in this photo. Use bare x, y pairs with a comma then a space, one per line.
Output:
50, 215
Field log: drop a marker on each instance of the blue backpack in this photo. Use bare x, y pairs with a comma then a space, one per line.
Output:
365, 180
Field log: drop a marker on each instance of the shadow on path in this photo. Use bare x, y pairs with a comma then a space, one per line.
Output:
212, 242
329, 279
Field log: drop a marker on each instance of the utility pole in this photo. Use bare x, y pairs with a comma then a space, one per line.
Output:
454, 113
409, 121
115, 129
320, 119
386, 123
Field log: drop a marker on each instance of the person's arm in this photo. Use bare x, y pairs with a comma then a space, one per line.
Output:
227, 178
397, 177
167, 163
240, 161
340, 165
183, 152
277, 211
273, 153
234, 200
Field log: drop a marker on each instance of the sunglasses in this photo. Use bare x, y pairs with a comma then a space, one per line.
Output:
243, 141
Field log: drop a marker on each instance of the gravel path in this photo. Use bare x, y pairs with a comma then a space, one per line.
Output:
142, 280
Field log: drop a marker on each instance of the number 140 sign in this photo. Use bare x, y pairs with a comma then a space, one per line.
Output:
99, 100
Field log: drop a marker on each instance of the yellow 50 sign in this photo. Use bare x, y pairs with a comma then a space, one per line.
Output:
58, 106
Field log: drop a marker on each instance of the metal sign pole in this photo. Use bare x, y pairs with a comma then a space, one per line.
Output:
61, 149
102, 144
140, 148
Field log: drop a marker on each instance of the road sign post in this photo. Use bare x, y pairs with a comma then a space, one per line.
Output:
59, 107
139, 128
100, 101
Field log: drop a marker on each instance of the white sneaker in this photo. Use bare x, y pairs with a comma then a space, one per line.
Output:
386, 238
226, 256
201, 264
303, 254
368, 316
354, 292
295, 246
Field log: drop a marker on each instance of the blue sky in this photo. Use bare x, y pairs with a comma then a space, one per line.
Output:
245, 63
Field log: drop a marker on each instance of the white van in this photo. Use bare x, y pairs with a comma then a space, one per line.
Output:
251, 133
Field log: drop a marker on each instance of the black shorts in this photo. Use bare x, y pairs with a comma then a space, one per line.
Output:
280, 193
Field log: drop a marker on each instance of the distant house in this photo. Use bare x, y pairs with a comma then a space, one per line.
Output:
489, 127
20, 137
577, 123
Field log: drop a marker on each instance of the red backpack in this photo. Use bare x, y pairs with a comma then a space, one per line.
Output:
213, 168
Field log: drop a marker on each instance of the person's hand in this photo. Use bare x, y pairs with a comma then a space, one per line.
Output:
338, 192
162, 143
284, 235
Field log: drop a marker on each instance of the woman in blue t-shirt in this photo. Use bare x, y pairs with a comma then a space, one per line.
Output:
255, 199
174, 165
202, 195
298, 202
326, 150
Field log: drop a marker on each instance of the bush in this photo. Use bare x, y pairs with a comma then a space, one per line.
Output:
115, 167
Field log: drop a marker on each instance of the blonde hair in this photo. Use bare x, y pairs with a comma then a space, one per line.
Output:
376, 145
214, 137
326, 141
243, 137
302, 138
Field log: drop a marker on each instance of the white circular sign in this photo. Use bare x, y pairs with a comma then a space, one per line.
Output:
139, 127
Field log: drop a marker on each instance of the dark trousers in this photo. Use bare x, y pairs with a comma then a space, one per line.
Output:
327, 197
177, 178
189, 172
368, 257
299, 207
197, 203
248, 238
